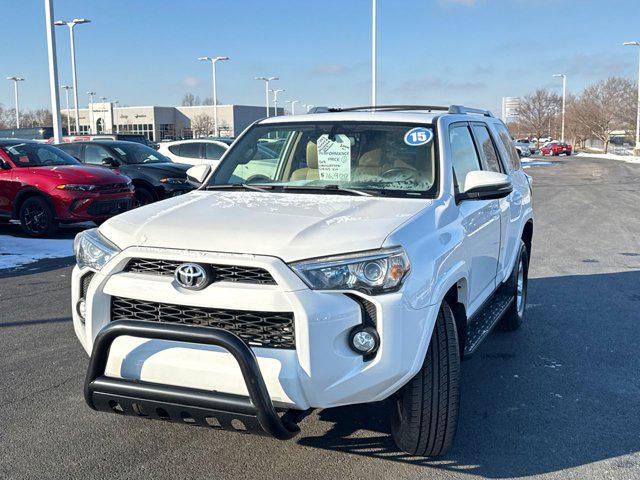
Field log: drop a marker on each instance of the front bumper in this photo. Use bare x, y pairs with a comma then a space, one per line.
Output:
82, 206
321, 372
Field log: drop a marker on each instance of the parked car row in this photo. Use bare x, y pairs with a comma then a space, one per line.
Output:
44, 185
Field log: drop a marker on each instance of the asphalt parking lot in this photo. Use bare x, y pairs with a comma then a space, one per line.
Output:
557, 399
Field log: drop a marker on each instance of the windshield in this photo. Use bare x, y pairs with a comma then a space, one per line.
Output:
137, 153
382, 158
38, 155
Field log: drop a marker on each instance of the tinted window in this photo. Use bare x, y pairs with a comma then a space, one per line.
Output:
463, 153
95, 154
37, 155
506, 140
138, 153
190, 150
213, 151
175, 149
73, 149
488, 151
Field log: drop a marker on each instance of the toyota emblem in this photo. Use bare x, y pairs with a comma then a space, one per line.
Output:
191, 276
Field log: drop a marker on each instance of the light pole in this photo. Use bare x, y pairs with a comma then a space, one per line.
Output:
293, 105
275, 100
91, 94
66, 91
564, 99
637, 44
374, 42
308, 107
71, 24
213, 61
266, 81
15, 93
53, 71
116, 102
104, 127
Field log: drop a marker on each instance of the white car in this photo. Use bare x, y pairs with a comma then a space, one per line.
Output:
196, 151
385, 244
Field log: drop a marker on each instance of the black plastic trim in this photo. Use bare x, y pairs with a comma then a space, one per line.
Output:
105, 393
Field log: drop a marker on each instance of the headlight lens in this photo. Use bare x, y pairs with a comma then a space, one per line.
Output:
174, 181
77, 186
373, 272
93, 250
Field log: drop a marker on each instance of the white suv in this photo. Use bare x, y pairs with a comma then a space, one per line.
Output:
383, 246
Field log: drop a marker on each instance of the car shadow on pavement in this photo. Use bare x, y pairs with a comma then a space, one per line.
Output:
559, 393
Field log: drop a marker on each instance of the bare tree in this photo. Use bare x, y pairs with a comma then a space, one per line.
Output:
537, 110
603, 108
190, 100
201, 124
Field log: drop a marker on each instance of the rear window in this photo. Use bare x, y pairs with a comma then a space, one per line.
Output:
38, 155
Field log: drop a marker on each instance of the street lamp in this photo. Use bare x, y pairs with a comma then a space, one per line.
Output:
71, 24
91, 94
293, 105
275, 100
66, 91
637, 44
266, 81
564, 98
308, 107
115, 102
15, 92
374, 62
213, 61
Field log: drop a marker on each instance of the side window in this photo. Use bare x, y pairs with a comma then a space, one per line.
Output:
507, 142
213, 151
190, 150
73, 149
95, 154
464, 157
175, 149
487, 149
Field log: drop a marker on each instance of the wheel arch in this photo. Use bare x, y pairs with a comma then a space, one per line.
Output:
26, 193
456, 297
527, 235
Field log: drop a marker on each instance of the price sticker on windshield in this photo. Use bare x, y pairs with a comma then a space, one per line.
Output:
418, 136
334, 158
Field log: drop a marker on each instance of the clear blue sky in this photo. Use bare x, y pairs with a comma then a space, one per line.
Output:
143, 52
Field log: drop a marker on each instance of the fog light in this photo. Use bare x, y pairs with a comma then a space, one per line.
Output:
82, 308
364, 340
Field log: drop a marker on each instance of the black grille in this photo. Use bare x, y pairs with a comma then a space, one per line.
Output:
219, 273
113, 188
108, 207
84, 284
260, 329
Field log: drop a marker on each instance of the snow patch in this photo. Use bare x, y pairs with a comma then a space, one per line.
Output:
611, 156
16, 251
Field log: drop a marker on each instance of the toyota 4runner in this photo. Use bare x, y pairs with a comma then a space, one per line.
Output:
376, 249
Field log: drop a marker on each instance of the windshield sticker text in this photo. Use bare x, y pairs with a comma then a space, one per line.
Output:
334, 158
418, 136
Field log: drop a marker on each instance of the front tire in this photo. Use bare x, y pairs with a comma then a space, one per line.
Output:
424, 413
142, 196
517, 285
36, 217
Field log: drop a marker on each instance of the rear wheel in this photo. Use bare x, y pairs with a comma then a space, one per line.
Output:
37, 217
424, 413
517, 286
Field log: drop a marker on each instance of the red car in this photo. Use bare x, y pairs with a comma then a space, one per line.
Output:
43, 186
556, 148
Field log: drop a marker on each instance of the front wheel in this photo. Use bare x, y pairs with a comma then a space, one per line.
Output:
142, 196
36, 217
424, 413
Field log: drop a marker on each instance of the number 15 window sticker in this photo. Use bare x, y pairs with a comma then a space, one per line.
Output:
418, 136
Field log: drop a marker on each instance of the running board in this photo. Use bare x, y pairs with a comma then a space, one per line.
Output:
485, 319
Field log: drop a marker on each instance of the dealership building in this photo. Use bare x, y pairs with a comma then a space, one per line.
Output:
160, 123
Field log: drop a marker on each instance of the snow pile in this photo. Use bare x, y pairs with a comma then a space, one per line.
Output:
16, 251
611, 156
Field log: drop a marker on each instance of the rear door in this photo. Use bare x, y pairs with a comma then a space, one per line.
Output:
480, 218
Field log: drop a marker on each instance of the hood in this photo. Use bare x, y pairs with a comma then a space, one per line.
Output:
176, 169
284, 225
80, 174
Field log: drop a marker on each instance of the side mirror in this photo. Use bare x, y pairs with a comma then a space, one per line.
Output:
198, 174
483, 185
110, 162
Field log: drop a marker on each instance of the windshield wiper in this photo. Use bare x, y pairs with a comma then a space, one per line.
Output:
330, 188
246, 186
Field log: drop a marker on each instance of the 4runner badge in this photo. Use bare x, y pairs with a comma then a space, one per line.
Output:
191, 276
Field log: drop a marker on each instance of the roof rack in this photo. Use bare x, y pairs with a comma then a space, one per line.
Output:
453, 109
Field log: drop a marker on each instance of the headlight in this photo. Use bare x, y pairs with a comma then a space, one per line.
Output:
77, 186
93, 250
373, 272
174, 181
